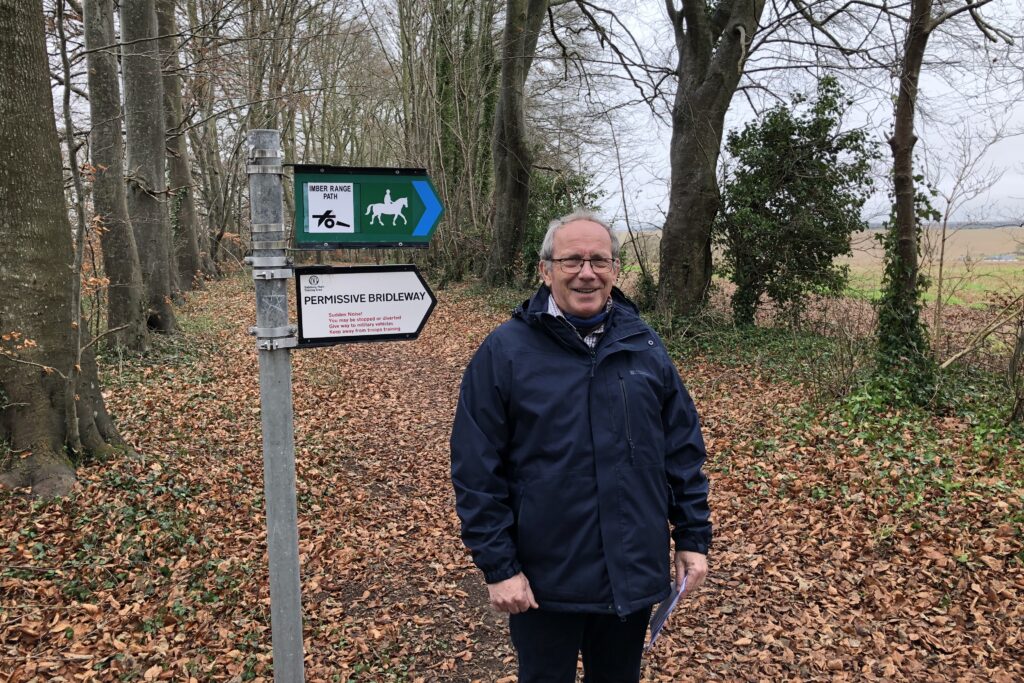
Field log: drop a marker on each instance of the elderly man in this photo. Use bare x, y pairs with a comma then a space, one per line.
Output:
574, 446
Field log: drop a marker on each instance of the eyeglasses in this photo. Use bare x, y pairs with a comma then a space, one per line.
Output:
574, 264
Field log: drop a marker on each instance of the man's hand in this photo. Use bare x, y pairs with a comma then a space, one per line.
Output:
694, 566
512, 595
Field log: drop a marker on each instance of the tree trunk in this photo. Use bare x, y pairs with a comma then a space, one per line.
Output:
685, 252
712, 45
38, 344
511, 154
147, 185
204, 55
903, 350
125, 294
904, 247
418, 106
218, 178
184, 221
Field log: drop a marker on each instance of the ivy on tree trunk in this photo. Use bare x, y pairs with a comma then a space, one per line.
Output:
509, 149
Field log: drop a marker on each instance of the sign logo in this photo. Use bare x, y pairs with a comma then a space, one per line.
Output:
314, 279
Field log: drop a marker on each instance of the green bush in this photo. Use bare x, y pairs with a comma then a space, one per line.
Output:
791, 199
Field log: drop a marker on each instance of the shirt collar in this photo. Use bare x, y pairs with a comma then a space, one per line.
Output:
554, 310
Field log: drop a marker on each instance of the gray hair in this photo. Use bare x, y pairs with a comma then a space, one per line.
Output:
547, 247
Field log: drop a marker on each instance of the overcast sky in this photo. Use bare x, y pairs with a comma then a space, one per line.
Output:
949, 113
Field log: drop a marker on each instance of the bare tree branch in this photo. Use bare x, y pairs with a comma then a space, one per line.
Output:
981, 335
943, 18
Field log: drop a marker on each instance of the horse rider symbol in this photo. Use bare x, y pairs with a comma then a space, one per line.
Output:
388, 207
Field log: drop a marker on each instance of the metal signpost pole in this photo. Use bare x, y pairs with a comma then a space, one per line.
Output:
271, 272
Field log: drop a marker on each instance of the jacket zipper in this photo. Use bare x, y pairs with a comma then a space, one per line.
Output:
625, 406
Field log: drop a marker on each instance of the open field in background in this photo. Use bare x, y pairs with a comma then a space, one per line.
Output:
979, 262
962, 246
648, 242
979, 280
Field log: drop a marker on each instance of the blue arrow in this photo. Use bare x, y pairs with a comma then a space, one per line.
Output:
432, 208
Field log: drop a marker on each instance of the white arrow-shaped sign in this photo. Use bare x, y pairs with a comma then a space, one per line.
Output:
340, 304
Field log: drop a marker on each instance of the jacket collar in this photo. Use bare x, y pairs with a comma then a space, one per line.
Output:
532, 310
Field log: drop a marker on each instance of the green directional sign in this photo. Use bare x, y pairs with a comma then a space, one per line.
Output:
342, 207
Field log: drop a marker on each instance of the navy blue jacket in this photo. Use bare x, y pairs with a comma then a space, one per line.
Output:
569, 463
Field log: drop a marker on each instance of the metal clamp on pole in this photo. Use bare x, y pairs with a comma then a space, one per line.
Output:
275, 169
257, 153
275, 244
258, 228
267, 261
273, 332
273, 274
273, 338
269, 339
276, 343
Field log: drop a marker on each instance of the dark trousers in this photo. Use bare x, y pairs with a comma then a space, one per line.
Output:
548, 644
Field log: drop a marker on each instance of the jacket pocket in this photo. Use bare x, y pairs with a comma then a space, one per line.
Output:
643, 517
640, 417
558, 538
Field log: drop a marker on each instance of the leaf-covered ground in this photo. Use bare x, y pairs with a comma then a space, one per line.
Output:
890, 550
